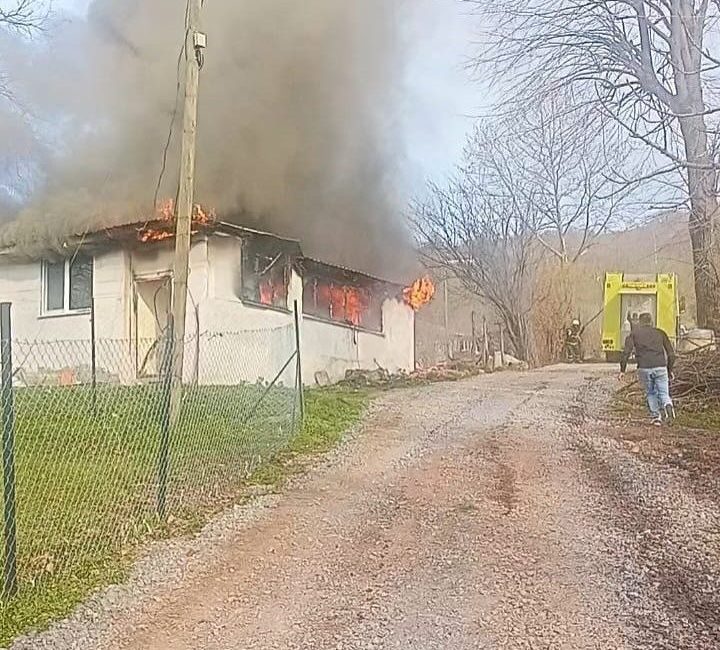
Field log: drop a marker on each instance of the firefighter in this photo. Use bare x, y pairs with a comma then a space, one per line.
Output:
573, 342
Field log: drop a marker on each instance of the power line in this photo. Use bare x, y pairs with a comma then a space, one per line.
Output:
173, 117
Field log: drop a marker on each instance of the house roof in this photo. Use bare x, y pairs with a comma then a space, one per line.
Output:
312, 264
137, 230
133, 232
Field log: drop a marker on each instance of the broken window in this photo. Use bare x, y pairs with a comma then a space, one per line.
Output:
348, 303
265, 274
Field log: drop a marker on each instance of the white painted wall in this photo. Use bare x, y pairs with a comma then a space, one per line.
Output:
335, 348
258, 340
62, 341
20, 284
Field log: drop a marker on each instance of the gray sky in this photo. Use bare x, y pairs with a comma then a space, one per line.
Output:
438, 96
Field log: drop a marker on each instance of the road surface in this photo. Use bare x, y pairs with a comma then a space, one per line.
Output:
501, 512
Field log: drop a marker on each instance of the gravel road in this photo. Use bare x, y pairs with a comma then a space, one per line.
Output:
501, 512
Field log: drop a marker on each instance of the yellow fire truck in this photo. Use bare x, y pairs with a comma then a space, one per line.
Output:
627, 296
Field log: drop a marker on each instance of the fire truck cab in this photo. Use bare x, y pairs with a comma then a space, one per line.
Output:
627, 296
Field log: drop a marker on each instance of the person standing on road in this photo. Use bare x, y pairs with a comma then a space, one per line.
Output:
655, 360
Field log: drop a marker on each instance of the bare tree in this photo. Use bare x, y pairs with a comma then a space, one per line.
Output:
477, 231
651, 66
561, 162
24, 17
534, 194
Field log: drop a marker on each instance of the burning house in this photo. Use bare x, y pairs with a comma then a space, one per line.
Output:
241, 280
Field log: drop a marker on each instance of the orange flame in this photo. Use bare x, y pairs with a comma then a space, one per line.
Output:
165, 213
420, 293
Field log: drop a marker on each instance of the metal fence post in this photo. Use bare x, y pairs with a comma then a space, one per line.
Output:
299, 375
93, 355
8, 433
166, 383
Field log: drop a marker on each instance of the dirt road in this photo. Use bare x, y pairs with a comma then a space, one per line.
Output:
497, 513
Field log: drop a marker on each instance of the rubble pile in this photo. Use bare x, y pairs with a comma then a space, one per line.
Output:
381, 378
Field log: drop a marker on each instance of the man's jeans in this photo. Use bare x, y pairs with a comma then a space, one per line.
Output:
657, 388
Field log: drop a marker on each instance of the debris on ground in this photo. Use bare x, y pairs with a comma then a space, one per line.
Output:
697, 379
381, 378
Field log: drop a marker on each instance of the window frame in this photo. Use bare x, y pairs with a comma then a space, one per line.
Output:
65, 310
285, 263
331, 281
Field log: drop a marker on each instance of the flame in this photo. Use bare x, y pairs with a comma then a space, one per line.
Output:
347, 304
420, 293
357, 302
165, 210
273, 292
164, 224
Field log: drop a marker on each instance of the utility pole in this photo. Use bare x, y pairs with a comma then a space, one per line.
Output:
195, 42
655, 250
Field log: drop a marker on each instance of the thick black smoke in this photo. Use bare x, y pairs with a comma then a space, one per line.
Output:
298, 127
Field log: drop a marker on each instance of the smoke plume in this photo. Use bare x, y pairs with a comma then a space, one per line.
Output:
297, 121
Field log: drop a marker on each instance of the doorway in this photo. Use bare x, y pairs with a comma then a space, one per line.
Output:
152, 299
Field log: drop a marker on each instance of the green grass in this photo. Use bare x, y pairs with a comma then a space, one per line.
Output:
87, 479
700, 419
329, 414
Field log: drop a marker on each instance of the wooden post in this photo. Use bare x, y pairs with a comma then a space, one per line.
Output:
486, 343
502, 345
446, 320
194, 44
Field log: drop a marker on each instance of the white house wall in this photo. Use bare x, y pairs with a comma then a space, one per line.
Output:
256, 341
54, 342
333, 348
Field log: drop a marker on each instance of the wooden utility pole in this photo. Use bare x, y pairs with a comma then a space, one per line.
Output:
475, 347
194, 46
446, 320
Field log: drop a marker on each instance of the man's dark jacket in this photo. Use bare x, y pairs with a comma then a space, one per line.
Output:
652, 348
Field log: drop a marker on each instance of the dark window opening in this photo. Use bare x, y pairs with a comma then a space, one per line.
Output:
81, 272
54, 286
265, 274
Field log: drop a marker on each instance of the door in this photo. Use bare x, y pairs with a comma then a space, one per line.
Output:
152, 303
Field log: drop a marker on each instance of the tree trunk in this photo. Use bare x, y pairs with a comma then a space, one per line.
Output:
702, 187
519, 334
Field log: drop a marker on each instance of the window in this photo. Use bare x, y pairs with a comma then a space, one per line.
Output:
265, 274
351, 304
67, 285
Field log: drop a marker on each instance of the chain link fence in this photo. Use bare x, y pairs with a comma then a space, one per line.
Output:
97, 459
